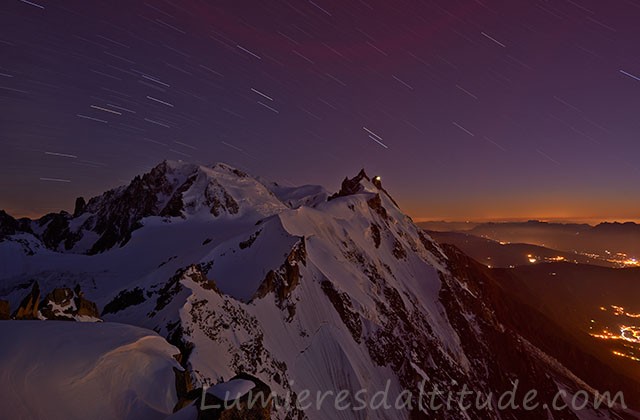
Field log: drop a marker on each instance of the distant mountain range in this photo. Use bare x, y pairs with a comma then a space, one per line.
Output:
292, 289
501, 254
602, 239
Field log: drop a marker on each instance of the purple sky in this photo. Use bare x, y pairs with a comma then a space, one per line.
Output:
467, 109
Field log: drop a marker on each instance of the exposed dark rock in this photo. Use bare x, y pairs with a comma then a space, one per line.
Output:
86, 307
184, 388
196, 272
353, 186
118, 212
64, 304
342, 304
375, 204
240, 173
60, 299
28, 308
167, 260
11, 226
170, 289
231, 204
377, 182
72, 239
375, 234
398, 250
80, 206
60, 296
184, 382
176, 204
220, 200
56, 230
350, 186
352, 253
285, 279
176, 338
123, 300
431, 247
199, 275
250, 241
5, 310
8, 225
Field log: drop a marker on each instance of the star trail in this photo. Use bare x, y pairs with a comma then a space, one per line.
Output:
467, 109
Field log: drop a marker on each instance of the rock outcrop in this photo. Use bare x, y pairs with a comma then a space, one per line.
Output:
285, 279
5, 310
28, 308
11, 226
351, 186
62, 304
80, 206
57, 304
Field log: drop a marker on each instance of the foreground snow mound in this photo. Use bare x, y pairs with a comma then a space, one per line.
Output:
68, 370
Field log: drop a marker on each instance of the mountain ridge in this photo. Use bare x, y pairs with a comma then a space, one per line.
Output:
299, 290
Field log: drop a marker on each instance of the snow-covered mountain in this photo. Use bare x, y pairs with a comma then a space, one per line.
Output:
305, 290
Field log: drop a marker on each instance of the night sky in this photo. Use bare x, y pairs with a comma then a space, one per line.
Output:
468, 109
